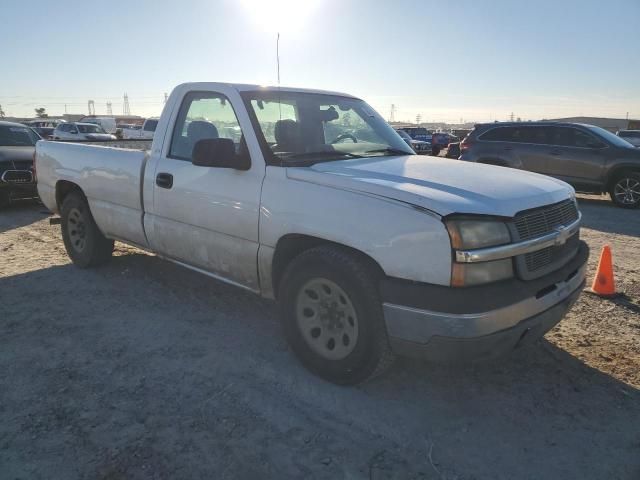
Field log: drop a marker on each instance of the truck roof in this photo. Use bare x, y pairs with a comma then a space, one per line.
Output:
243, 87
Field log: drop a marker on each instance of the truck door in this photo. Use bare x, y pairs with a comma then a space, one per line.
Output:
206, 217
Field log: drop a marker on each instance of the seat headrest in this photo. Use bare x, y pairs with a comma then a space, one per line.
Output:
199, 130
287, 135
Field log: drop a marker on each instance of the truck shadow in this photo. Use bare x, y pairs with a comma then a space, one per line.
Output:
21, 213
175, 347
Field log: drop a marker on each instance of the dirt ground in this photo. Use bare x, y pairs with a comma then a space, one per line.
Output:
144, 370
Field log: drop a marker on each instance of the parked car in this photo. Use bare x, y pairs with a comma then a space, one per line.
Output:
45, 132
108, 124
453, 150
17, 144
590, 158
369, 249
418, 133
44, 126
440, 141
418, 146
145, 132
631, 136
81, 131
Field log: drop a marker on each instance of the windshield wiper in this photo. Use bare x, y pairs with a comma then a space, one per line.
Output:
390, 151
305, 158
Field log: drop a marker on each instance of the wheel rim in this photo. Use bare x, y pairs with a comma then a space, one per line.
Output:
77, 229
327, 319
627, 191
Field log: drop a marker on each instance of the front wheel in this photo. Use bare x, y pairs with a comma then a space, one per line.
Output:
625, 190
332, 315
83, 240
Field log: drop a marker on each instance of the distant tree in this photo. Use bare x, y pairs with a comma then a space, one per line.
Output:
41, 112
1, 112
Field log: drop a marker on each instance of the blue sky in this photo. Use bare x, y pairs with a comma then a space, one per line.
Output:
476, 60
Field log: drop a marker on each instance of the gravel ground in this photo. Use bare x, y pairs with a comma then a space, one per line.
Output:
144, 370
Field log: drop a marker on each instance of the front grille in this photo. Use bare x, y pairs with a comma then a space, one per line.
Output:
547, 256
17, 176
541, 221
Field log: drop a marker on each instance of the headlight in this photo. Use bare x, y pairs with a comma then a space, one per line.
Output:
468, 234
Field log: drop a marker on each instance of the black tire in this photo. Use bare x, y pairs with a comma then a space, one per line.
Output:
624, 190
370, 354
84, 242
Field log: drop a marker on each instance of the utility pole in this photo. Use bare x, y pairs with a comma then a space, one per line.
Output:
125, 105
418, 119
166, 97
92, 107
392, 117
109, 111
511, 116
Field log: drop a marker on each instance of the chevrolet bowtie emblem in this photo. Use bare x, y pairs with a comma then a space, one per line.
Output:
563, 235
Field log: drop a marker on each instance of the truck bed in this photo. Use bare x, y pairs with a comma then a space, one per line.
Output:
110, 177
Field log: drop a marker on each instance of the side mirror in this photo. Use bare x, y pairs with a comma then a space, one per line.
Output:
218, 152
75, 132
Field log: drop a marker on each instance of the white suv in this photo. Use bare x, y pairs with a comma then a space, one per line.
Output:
81, 131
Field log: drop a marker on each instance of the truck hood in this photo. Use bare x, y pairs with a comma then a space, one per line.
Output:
440, 185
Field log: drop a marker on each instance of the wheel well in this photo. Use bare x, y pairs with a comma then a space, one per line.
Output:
64, 188
615, 174
292, 245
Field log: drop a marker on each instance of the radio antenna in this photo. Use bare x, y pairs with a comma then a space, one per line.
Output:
278, 69
278, 56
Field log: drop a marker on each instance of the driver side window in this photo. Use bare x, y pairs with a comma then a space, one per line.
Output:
204, 115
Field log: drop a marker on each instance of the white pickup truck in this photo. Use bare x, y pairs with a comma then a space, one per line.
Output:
312, 199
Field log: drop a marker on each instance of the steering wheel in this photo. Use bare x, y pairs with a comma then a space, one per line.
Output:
343, 137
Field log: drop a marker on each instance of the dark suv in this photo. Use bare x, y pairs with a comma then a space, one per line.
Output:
590, 158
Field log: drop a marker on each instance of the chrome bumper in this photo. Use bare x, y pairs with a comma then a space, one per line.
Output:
420, 327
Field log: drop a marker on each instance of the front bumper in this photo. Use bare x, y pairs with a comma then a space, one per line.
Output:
449, 324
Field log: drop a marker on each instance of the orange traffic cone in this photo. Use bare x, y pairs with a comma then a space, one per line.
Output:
604, 284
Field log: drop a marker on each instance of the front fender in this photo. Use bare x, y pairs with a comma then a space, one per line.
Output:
406, 242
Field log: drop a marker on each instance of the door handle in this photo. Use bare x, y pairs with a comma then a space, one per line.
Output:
164, 180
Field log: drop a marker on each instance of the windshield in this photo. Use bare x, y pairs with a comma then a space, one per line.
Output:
610, 137
90, 129
318, 127
16, 136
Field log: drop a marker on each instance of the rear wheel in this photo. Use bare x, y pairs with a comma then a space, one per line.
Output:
332, 315
625, 190
83, 240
